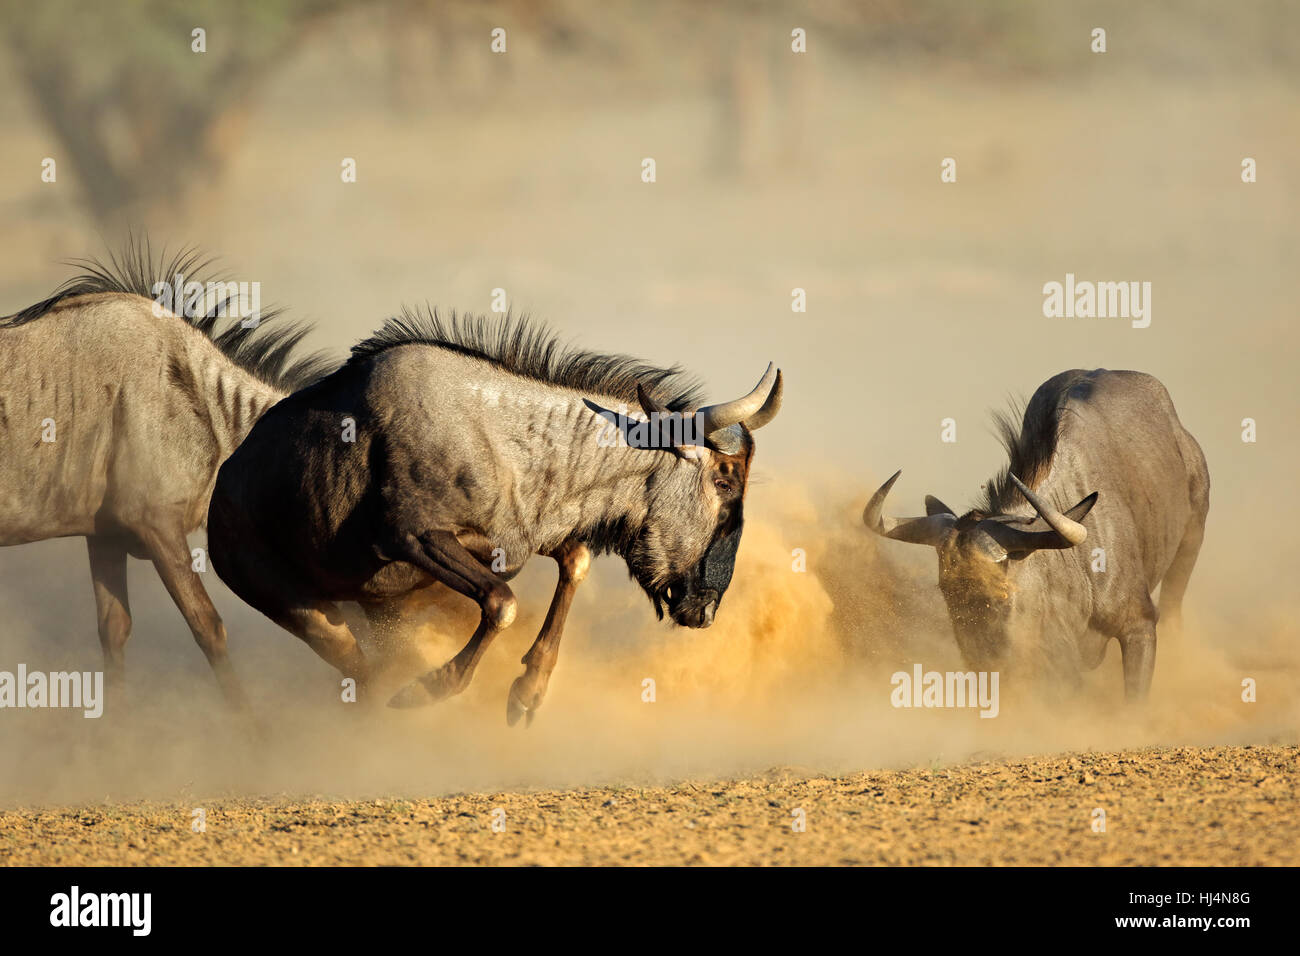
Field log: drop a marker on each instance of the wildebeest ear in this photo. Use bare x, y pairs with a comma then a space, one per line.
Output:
729, 440
648, 404
653, 408
988, 546
1080, 511
933, 506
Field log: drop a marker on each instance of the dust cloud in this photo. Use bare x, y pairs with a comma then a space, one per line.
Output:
795, 673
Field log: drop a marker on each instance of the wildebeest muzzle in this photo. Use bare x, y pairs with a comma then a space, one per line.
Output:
693, 598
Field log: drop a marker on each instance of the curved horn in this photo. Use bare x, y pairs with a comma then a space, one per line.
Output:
1067, 528
930, 530
714, 418
770, 407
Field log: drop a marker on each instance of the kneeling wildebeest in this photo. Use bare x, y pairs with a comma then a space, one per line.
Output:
114, 415
1011, 570
454, 451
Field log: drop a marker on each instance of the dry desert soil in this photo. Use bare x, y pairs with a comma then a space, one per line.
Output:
1168, 806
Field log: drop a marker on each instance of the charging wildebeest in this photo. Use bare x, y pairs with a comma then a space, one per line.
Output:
1009, 575
454, 451
113, 420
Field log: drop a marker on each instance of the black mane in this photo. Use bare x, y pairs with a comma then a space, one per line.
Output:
1031, 445
532, 350
264, 353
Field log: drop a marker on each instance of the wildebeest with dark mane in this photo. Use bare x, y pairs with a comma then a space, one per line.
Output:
453, 451
1011, 570
114, 418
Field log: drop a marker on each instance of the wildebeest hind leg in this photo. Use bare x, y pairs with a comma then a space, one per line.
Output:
526, 692
440, 555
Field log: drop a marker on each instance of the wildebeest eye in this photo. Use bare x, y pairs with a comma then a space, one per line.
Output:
723, 485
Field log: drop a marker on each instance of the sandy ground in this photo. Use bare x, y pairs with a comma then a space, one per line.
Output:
1180, 806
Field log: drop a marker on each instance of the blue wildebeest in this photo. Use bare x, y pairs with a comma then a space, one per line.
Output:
453, 452
1011, 571
113, 419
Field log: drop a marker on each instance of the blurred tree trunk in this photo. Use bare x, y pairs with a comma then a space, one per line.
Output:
142, 121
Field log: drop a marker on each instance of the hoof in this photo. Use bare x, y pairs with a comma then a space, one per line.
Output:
516, 708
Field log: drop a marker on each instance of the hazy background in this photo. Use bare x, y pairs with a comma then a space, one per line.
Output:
775, 171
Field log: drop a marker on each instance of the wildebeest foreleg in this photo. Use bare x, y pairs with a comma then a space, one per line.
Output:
526, 692
1174, 585
322, 627
1138, 649
108, 574
171, 558
439, 554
